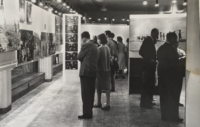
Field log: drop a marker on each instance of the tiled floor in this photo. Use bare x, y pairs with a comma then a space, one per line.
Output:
57, 104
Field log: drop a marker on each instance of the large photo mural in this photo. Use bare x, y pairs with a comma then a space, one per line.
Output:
140, 28
9, 26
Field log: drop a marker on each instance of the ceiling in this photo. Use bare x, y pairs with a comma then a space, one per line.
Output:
117, 8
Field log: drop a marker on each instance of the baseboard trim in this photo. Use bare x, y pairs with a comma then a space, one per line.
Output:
5, 110
48, 80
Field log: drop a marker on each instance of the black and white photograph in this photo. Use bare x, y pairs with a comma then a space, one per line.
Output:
99, 63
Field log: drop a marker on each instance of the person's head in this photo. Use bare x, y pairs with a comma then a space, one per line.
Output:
102, 39
112, 35
108, 33
154, 33
127, 40
172, 38
119, 39
85, 36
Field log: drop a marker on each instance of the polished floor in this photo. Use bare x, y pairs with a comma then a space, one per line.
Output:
57, 104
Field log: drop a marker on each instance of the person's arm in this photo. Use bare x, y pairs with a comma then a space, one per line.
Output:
83, 52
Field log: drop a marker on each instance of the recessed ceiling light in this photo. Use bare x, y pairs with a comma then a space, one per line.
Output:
174, 1
59, 1
144, 2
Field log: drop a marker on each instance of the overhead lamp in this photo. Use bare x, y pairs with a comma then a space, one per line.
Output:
144, 2
83, 17
113, 19
64, 4
123, 19
59, 13
41, 4
50, 9
59, 1
185, 2
174, 1
55, 11
33, 1
45, 7
127, 20
67, 6
90, 18
105, 18
156, 5
99, 19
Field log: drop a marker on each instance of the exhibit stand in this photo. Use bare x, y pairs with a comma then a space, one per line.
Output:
140, 28
7, 63
71, 47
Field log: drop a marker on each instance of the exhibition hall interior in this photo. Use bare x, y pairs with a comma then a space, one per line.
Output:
99, 63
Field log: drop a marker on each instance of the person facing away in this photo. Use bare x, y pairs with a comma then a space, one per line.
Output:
112, 36
170, 79
121, 56
114, 55
103, 73
95, 41
88, 57
148, 53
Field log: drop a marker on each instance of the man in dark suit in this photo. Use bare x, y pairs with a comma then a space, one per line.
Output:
170, 77
88, 57
148, 53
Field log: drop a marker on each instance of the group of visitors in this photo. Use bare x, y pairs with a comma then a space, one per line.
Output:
100, 59
169, 61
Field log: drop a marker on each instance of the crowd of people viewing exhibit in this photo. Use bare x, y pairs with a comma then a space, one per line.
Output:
103, 60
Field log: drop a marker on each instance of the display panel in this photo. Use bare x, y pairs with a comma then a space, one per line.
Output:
29, 12
37, 46
71, 42
22, 11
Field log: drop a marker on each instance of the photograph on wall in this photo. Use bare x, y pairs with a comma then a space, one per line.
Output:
61, 38
52, 44
57, 38
29, 12
70, 37
71, 55
70, 65
71, 20
141, 28
43, 44
37, 46
71, 47
57, 24
9, 26
71, 28
26, 52
22, 11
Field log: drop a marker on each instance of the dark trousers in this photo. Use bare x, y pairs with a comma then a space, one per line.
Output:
87, 92
112, 74
148, 85
170, 89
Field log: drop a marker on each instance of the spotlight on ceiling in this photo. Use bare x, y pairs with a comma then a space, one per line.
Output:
99, 19
64, 3
123, 19
41, 4
50, 9
90, 18
113, 19
156, 5
104, 8
185, 3
144, 2
55, 11
59, 1
33, 1
105, 18
174, 1
127, 20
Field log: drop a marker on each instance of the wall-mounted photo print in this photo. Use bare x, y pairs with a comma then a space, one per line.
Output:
71, 20
37, 46
29, 12
70, 37
52, 44
71, 55
71, 47
22, 11
71, 28
43, 44
71, 65
26, 52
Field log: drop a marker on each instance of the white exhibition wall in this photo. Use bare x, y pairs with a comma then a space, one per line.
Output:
141, 26
118, 30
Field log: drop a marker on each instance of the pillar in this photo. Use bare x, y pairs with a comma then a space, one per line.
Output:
45, 65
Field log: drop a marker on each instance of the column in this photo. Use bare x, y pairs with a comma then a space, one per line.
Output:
45, 65
5, 91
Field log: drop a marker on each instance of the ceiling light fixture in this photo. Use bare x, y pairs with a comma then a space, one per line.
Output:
41, 3
144, 2
104, 8
55, 11
174, 1
99, 19
67, 6
59, 1
33, 1
113, 19
90, 18
50, 9
64, 4
123, 19
105, 18
156, 5
185, 3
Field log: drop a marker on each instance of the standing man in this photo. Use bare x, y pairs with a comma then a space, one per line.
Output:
170, 78
114, 55
88, 57
148, 53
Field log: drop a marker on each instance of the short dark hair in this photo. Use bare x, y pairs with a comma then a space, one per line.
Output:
112, 35
119, 39
154, 30
85, 34
171, 35
107, 32
102, 38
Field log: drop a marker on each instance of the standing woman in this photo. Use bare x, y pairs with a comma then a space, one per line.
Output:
103, 73
121, 56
